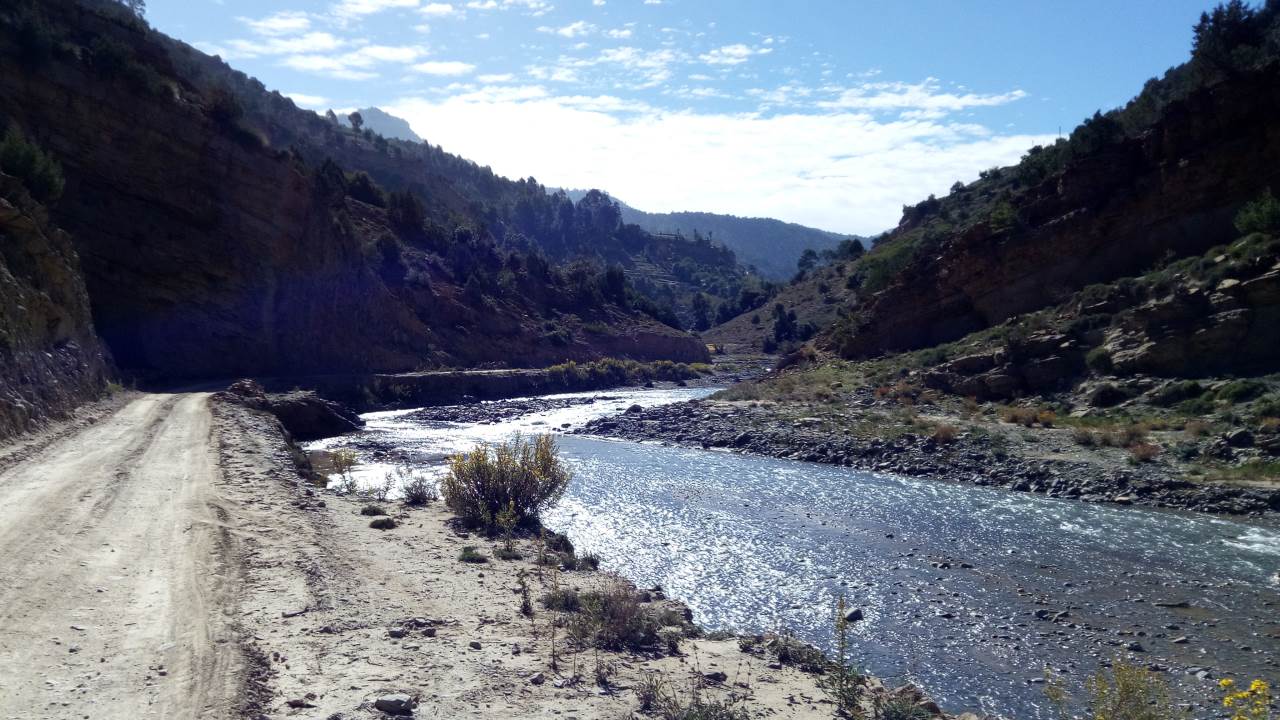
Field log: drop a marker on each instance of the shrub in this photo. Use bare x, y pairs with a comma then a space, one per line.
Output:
1084, 437
383, 523
415, 488
1260, 216
41, 174
470, 554
1241, 390
1176, 392
562, 600
1129, 692
618, 619
1099, 361
588, 561
945, 433
901, 708
372, 510
1144, 452
1127, 436
790, 651
503, 553
362, 187
1252, 703
1195, 428
523, 474
1046, 418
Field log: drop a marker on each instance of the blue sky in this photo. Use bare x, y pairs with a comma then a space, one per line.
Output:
828, 113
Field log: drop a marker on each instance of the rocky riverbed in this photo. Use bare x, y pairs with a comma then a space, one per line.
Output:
1044, 462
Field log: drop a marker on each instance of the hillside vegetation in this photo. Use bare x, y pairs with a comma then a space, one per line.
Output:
208, 212
771, 247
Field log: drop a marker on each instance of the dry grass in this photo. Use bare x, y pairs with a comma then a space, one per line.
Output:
945, 434
1029, 416
1144, 452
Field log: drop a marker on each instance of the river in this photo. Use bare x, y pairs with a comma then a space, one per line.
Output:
959, 584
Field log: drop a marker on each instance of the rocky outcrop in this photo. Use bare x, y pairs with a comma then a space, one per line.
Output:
1172, 191
50, 359
1194, 332
304, 414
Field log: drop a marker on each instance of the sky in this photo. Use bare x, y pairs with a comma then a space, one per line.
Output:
830, 113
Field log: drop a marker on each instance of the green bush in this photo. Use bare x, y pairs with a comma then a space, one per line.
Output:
1099, 361
1238, 391
1260, 216
362, 187
526, 474
562, 600
470, 554
41, 174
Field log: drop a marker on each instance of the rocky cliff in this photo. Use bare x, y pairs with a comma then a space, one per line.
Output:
1170, 192
50, 359
207, 252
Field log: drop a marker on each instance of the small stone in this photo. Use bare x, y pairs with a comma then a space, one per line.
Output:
854, 615
1136, 647
474, 644
396, 704
1182, 640
537, 679
396, 633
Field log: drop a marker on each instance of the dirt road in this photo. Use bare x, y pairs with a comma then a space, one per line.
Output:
114, 586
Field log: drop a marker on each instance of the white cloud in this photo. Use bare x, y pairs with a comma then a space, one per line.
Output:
620, 34
281, 23
732, 54
496, 78
572, 30
308, 101
446, 68
312, 42
349, 9
356, 64
438, 10
842, 170
597, 3
535, 8
923, 99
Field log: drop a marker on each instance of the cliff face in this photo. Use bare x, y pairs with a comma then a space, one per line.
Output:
207, 253
50, 359
1172, 192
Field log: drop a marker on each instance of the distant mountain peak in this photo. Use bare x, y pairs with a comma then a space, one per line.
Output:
385, 124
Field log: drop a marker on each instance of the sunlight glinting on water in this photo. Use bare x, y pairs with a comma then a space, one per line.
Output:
947, 575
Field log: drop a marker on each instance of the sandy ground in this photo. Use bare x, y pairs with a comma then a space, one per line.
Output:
350, 589
160, 557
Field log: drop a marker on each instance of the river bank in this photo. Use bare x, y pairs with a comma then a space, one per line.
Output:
345, 616
969, 592
876, 434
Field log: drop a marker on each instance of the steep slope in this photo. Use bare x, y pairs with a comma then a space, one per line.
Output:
1172, 190
208, 252
1160, 179
518, 214
50, 358
772, 247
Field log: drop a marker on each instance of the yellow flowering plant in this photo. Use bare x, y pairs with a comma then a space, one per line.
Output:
1251, 703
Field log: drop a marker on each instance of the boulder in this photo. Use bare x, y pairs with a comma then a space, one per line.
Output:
306, 415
